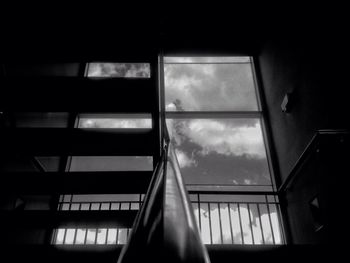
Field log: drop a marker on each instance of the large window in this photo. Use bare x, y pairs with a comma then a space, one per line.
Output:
216, 123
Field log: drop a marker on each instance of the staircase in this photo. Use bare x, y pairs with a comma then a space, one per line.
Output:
27, 231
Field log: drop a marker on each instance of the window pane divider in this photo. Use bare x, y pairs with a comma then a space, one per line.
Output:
213, 114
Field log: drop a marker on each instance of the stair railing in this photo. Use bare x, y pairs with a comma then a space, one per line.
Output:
165, 229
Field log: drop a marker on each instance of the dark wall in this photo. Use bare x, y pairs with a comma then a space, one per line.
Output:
311, 68
309, 64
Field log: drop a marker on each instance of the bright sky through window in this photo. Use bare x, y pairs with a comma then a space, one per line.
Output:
116, 121
222, 148
209, 84
119, 70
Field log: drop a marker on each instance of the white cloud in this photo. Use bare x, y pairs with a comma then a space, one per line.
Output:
115, 123
184, 160
222, 137
210, 86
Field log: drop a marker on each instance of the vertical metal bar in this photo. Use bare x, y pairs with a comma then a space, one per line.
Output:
75, 236
268, 212
85, 237
240, 222
261, 228
250, 223
229, 217
96, 236
282, 233
221, 234
129, 205
54, 236
107, 234
210, 230
64, 236
199, 214
117, 240
70, 202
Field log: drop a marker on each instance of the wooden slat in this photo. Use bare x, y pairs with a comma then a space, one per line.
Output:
80, 142
62, 94
75, 183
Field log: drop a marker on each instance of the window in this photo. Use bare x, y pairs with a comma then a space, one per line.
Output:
216, 124
118, 70
115, 121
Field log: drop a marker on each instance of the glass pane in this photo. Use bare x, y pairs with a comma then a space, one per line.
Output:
135, 206
126, 121
247, 233
125, 206
275, 224
90, 237
207, 59
69, 240
236, 224
111, 163
220, 151
215, 224
204, 217
95, 206
101, 236
209, 87
266, 225
112, 236
119, 70
65, 207
122, 236
105, 206
60, 236
225, 224
74, 206
85, 207
115, 206
80, 238
254, 215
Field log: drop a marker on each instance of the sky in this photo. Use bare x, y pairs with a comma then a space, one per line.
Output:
215, 151
209, 87
119, 70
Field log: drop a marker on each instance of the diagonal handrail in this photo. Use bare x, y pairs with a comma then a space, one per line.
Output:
165, 229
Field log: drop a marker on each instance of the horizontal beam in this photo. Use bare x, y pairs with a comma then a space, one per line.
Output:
76, 94
79, 142
67, 219
75, 183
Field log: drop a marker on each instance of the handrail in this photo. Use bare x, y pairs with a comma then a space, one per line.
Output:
165, 229
310, 148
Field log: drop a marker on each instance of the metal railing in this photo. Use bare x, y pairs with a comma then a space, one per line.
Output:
238, 219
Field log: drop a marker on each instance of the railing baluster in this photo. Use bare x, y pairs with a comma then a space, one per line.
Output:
230, 219
261, 228
268, 212
240, 222
250, 223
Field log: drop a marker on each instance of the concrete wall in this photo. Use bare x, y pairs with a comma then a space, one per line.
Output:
309, 66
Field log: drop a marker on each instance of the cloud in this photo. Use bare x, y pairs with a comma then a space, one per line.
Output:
127, 70
226, 137
115, 123
184, 160
210, 86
